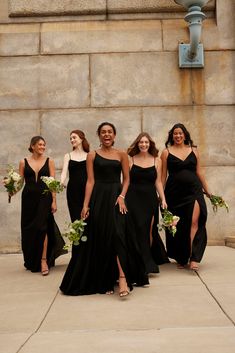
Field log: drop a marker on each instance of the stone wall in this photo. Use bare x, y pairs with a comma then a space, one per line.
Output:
76, 70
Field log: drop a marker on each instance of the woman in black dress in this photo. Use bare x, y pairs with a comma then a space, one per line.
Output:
143, 203
41, 239
103, 258
75, 164
184, 195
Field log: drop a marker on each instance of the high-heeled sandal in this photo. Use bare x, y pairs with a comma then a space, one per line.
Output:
194, 266
46, 271
123, 293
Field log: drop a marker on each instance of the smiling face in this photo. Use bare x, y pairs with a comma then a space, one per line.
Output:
178, 136
107, 136
75, 140
144, 144
39, 147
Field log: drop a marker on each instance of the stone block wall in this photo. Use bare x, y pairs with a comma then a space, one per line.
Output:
63, 68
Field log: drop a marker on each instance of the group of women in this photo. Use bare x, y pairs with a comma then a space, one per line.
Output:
118, 195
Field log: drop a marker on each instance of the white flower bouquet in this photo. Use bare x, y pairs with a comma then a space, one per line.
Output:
52, 184
169, 221
13, 182
74, 233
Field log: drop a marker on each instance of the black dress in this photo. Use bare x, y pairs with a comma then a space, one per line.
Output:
143, 211
37, 221
94, 269
183, 188
76, 188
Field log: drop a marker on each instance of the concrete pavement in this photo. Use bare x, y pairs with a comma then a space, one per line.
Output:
181, 311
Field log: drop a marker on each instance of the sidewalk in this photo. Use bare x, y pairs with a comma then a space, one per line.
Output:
181, 311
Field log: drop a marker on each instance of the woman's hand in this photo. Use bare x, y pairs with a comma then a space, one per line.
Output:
163, 205
121, 203
85, 212
53, 206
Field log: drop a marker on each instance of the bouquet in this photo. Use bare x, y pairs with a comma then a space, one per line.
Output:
13, 182
74, 233
217, 201
52, 184
169, 221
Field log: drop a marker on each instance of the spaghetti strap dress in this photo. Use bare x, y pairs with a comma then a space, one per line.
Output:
94, 269
143, 216
37, 221
76, 188
183, 189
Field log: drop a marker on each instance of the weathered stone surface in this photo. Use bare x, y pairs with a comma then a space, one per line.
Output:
16, 130
219, 83
123, 6
98, 37
55, 7
19, 39
138, 79
127, 122
206, 125
44, 82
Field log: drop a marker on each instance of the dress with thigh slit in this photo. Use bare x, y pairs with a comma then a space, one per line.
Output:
183, 189
37, 220
143, 216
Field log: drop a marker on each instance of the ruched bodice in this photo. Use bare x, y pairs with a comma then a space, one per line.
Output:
145, 176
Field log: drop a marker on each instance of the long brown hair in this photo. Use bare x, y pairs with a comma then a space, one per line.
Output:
134, 148
82, 136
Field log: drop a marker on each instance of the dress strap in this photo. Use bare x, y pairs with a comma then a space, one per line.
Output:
69, 155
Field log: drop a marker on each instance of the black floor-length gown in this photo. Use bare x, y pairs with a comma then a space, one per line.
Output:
143, 212
183, 189
37, 220
76, 188
94, 269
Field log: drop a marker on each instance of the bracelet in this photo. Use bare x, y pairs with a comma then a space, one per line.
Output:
123, 197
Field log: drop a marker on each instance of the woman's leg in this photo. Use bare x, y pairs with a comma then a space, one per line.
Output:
193, 231
44, 266
123, 287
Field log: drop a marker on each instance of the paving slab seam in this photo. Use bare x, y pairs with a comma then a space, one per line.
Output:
215, 299
40, 324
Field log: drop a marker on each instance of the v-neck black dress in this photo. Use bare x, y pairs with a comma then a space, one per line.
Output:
37, 220
183, 189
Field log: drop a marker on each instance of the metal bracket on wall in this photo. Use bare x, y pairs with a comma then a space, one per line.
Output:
186, 62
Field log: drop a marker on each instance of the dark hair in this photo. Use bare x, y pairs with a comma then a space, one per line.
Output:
134, 148
103, 124
82, 136
187, 141
33, 142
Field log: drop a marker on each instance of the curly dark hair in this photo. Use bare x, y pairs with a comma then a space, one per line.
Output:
187, 141
106, 123
134, 148
33, 142
82, 136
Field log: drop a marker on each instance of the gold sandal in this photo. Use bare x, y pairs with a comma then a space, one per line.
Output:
46, 271
123, 293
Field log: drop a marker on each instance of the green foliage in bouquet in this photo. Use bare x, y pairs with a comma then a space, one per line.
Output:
74, 233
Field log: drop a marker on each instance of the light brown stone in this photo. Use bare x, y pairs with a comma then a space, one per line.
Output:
98, 37
138, 80
44, 82
19, 39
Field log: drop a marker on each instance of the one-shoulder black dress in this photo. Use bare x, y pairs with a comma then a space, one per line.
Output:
183, 188
37, 220
143, 214
94, 269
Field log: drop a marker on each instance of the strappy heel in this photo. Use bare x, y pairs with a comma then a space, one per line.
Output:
123, 293
46, 271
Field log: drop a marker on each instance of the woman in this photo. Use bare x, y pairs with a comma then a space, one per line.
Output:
142, 200
184, 195
103, 258
41, 239
75, 164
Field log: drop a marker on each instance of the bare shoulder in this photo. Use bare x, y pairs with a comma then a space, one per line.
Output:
21, 163
195, 150
164, 153
91, 155
158, 162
